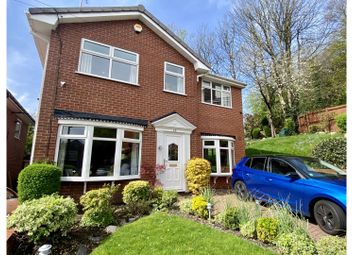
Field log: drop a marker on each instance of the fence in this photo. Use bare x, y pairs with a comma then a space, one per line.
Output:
314, 118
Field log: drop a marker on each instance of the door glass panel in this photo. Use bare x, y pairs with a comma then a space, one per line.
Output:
258, 164
210, 155
173, 152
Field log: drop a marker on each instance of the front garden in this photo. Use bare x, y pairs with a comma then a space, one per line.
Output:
154, 221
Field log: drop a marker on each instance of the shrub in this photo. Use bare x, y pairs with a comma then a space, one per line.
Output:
136, 191
45, 217
314, 129
290, 125
186, 206
326, 121
295, 244
248, 229
333, 150
208, 194
267, 131
267, 229
331, 245
256, 133
230, 218
98, 211
38, 180
139, 208
168, 199
341, 121
199, 207
248, 211
285, 132
197, 174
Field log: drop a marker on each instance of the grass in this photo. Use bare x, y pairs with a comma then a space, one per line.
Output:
161, 233
298, 145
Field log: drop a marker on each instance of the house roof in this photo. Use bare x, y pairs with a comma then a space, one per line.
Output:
64, 114
18, 107
43, 20
223, 80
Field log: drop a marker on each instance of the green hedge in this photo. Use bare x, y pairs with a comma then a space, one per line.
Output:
341, 121
37, 180
333, 150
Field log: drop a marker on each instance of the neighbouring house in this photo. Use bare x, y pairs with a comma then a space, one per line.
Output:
18, 121
121, 93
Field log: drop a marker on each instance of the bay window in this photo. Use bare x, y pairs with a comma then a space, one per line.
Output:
109, 62
98, 152
220, 152
216, 94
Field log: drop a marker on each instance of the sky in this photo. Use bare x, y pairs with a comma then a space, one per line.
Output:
24, 70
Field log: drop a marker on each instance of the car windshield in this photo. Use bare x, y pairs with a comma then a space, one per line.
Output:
317, 168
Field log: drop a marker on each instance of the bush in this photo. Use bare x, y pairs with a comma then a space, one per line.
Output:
295, 244
331, 245
267, 229
199, 207
45, 217
38, 180
98, 211
341, 121
136, 191
333, 150
197, 174
314, 129
139, 208
186, 206
256, 133
267, 131
248, 229
230, 218
167, 201
208, 194
290, 125
285, 132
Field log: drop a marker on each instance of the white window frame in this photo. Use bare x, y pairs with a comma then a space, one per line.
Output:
111, 58
217, 147
211, 94
176, 75
18, 135
89, 138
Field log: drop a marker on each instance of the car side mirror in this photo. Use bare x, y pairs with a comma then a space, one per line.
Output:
294, 175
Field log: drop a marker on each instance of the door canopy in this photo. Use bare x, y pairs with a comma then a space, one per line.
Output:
173, 123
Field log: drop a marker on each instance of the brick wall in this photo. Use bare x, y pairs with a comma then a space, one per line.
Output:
147, 101
15, 148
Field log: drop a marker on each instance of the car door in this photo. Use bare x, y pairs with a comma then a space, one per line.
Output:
283, 185
255, 177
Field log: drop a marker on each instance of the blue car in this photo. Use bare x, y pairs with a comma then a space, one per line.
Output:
310, 186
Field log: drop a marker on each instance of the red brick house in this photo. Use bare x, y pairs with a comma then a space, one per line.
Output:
121, 93
18, 120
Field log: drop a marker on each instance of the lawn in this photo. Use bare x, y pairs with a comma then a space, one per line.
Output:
161, 233
299, 145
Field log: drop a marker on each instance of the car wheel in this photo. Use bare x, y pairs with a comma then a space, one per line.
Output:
330, 217
241, 191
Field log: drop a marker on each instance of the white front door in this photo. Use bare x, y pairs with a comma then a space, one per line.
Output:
172, 151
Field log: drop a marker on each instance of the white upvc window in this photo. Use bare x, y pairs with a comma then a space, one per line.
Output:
105, 61
220, 152
98, 152
174, 80
216, 94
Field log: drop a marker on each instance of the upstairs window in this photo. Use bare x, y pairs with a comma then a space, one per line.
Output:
108, 62
216, 94
174, 78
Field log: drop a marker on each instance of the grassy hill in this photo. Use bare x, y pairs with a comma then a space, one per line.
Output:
299, 145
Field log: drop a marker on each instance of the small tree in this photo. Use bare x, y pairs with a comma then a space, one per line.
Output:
198, 174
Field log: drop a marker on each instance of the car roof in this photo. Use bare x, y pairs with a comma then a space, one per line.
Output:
279, 156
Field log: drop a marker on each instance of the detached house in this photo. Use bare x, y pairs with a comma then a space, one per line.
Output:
121, 93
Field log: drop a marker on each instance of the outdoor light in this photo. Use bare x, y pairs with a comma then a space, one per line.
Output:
45, 249
209, 207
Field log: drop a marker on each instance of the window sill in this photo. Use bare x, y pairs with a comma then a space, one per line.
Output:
106, 78
176, 93
98, 179
220, 175
225, 107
